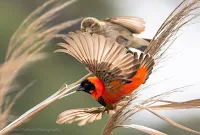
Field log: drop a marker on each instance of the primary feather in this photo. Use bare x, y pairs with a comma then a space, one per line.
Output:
104, 57
134, 24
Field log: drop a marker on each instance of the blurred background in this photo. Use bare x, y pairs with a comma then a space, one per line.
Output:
180, 70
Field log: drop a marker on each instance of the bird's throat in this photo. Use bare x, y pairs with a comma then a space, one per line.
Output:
99, 87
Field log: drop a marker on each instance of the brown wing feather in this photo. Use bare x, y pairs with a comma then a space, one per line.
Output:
105, 58
134, 24
144, 60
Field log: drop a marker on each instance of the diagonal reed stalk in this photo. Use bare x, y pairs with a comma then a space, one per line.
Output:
36, 109
120, 118
170, 105
24, 47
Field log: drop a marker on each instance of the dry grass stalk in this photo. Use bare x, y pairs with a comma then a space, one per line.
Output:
121, 117
62, 92
25, 46
183, 15
171, 105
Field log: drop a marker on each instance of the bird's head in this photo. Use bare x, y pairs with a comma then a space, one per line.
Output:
91, 25
94, 87
86, 86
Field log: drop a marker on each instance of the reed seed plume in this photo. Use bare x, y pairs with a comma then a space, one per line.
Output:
120, 118
25, 46
182, 16
171, 105
123, 116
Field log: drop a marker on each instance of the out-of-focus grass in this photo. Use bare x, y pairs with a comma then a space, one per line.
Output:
10, 18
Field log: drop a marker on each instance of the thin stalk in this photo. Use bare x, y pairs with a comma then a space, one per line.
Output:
39, 107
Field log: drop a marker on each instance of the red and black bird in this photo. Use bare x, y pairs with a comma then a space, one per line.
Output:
116, 73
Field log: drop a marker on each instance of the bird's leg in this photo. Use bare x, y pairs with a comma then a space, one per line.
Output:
96, 109
109, 109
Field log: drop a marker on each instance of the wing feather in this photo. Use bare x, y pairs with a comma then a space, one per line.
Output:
105, 58
134, 24
148, 61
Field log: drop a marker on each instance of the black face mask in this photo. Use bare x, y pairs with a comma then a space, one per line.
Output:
86, 86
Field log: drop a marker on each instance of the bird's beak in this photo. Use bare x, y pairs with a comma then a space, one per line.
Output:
80, 88
88, 30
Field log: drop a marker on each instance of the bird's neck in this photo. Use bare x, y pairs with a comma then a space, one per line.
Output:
99, 87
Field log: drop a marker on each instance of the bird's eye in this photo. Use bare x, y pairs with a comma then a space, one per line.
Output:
93, 27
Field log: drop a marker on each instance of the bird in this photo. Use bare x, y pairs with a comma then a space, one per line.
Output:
123, 30
116, 74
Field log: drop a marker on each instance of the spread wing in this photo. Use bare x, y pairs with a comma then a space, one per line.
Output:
134, 24
104, 57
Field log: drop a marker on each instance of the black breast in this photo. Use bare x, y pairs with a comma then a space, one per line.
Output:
101, 101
